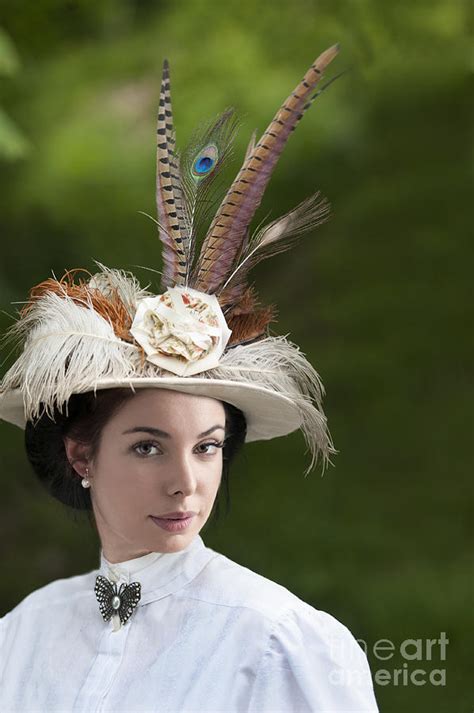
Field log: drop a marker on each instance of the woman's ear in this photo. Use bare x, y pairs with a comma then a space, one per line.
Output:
78, 455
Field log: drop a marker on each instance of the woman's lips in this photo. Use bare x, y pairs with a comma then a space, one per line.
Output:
173, 525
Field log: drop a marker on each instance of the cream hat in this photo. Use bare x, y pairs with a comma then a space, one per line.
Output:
205, 333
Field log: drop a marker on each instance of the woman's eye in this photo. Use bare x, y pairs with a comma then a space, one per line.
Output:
148, 448
212, 445
145, 449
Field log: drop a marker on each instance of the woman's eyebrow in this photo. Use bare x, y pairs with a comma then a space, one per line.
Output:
164, 434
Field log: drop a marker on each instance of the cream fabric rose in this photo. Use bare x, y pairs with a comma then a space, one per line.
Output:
182, 330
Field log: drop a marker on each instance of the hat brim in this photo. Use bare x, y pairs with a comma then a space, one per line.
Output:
268, 414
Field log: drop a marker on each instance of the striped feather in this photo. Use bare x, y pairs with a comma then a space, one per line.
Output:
172, 221
228, 232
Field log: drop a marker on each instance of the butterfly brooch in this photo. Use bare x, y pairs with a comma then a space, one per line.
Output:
117, 601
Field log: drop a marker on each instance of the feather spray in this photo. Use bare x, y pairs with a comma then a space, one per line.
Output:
186, 196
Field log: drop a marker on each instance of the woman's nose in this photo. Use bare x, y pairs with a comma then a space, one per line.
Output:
181, 476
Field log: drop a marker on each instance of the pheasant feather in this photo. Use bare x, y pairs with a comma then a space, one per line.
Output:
172, 221
228, 231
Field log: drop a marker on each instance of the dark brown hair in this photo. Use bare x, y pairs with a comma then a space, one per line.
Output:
84, 420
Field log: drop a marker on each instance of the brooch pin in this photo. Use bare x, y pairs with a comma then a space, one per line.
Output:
117, 601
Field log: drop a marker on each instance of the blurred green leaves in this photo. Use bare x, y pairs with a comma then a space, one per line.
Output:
13, 144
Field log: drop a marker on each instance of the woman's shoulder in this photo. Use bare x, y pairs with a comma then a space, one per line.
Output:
233, 584
300, 640
51, 595
225, 581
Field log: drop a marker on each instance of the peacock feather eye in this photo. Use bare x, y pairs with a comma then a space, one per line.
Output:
205, 161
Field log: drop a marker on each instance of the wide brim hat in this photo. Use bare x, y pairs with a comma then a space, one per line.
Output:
268, 414
70, 345
205, 334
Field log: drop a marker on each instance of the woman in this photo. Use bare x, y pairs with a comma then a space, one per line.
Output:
134, 406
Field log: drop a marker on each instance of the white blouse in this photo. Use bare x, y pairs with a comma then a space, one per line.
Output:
208, 635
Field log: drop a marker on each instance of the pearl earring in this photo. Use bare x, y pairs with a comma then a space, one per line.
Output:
85, 482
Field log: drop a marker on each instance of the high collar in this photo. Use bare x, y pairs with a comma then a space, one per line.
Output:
159, 573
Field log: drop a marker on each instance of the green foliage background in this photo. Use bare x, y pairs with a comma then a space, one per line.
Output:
377, 298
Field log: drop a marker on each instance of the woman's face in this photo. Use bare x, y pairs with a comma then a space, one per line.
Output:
161, 452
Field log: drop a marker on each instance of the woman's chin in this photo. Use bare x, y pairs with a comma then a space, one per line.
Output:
163, 541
